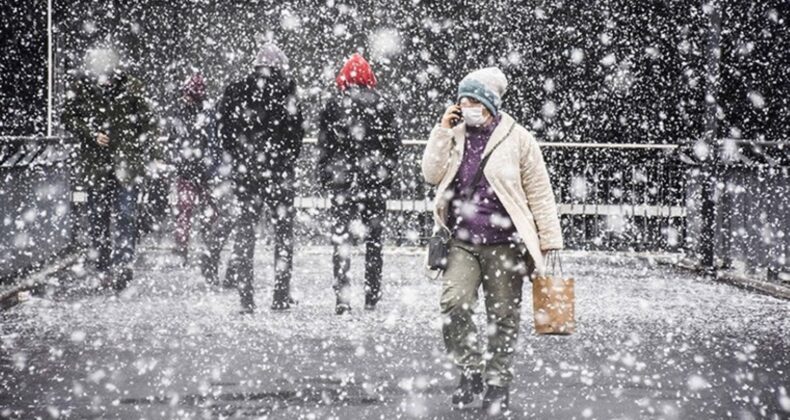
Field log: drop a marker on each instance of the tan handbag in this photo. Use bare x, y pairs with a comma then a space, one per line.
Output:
553, 300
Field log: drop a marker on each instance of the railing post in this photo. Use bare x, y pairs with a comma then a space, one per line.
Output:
708, 237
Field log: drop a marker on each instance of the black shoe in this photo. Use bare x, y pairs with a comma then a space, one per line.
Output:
284, 304
209, 270
342, 307
283, 301
371, 301
497, 400
122, 279
182, 254
247, 304
104, 279
231, 276
467, 388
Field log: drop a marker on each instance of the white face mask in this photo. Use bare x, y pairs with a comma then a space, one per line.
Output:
473, 116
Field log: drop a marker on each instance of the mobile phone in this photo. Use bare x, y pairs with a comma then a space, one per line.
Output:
459, 117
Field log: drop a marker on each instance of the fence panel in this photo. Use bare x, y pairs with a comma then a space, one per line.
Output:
611, 197
36, 206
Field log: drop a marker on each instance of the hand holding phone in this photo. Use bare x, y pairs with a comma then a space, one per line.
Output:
102, 139
452, 116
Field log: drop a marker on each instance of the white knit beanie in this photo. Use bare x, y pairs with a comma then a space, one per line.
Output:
270, 55
487, 85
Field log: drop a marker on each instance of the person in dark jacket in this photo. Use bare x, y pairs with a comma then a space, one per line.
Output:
359, 144
194, 154
106, 110
261, 128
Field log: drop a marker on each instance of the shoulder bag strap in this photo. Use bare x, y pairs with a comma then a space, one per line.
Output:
467, 193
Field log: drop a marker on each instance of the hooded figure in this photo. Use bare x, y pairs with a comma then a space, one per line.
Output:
194, 151
358, 144
260, 127
107, 112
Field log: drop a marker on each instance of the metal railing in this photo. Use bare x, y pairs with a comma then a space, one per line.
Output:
33, 151
35, 201
611, 196
738, 203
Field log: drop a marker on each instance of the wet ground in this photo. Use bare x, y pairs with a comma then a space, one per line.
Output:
652, 342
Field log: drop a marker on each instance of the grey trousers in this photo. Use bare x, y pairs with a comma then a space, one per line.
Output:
501, 270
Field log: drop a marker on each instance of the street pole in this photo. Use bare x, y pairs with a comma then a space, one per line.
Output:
709, 169
49, 68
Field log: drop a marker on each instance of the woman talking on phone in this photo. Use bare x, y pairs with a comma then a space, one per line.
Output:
502, 223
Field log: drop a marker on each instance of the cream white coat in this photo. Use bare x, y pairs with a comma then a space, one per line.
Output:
516, 172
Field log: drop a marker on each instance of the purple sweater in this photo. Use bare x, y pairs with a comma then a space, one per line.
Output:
482, 219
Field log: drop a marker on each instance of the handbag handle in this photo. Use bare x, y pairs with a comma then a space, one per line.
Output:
553, 262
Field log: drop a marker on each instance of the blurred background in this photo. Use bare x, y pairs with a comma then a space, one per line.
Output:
664, 123
611, 71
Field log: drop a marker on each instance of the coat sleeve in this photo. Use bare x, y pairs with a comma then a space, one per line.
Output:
148, 127
74, 116
227, 124
540, 196
394, 145
295, 125
436, 158
144, 141
327, 144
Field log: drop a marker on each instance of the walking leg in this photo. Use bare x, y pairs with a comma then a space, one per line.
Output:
283, 212
374, 214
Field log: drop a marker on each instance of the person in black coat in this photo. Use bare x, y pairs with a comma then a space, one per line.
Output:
108, 113
260, 127
358, 143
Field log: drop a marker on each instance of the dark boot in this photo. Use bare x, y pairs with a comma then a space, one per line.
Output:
280, 303
371, 300
122, 279
183, 255
497, 400
106, 281
231, 275
209, 267
469, 385
247, 304
342, 306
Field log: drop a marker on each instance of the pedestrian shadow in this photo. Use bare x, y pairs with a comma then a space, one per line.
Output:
79, 281
306, 392
327, 394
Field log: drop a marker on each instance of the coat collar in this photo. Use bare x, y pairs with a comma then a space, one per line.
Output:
500, 132
459, 133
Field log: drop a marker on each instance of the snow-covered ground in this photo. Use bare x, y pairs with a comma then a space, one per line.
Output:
652, 342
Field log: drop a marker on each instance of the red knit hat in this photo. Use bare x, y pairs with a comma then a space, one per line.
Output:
356, 72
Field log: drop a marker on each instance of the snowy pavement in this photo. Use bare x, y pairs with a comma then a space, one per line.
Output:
652, 342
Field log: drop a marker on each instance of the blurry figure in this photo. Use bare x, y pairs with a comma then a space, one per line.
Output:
194, 150
260, 127
156, 201
107, 111
359, 143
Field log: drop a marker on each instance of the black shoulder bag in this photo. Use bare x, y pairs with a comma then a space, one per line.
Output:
439, 243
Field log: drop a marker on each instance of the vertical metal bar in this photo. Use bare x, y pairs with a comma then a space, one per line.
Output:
708, 175
49, 68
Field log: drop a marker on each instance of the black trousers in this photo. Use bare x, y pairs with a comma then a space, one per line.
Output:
355, 219
252, 200
112, 203
157, 206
